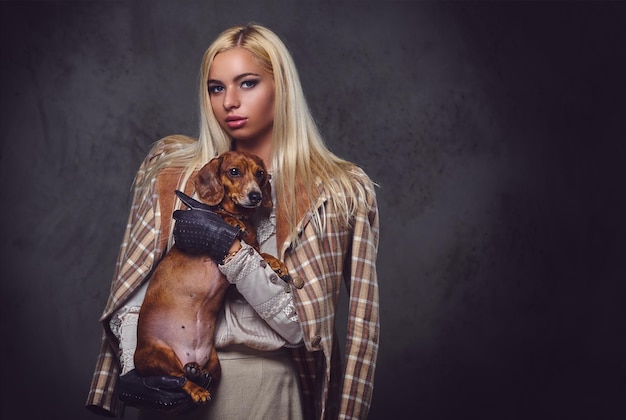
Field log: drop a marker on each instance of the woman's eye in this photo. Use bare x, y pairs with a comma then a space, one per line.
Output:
247, 84
234, 172
215, 89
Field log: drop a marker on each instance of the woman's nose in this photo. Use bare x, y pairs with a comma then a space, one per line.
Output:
231, 100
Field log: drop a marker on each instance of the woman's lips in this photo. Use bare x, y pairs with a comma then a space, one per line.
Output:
236, 122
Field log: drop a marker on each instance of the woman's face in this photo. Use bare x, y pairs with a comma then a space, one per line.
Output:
242, 96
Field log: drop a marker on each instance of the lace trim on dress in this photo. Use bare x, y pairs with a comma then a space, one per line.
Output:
274, 306
124, 326
290, 311
266, 227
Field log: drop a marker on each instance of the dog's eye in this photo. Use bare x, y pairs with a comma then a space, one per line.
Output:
234, 172
260, 173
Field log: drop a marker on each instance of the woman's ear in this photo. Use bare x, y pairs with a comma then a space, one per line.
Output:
208, 185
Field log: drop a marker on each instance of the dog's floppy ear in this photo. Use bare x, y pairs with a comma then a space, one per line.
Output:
208, 185
266, 190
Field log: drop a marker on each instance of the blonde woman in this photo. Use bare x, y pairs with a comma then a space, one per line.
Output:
276, 341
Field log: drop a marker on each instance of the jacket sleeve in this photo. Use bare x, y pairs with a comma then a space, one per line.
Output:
132, 268
102, 398
267, 293
135, 260
363, 313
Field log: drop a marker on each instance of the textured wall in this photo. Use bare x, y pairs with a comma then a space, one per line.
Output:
495, 130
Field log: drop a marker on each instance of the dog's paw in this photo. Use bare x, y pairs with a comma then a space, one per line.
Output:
192, 370
200, 396
278, 266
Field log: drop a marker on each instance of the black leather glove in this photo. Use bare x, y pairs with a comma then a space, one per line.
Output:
200, 230
158, 392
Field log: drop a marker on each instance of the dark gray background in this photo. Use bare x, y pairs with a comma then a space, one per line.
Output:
496, 133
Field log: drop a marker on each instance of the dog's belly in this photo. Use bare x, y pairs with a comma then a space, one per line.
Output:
190, 337
181, 306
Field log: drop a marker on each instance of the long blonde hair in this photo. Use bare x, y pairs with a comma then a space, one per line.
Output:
300, 157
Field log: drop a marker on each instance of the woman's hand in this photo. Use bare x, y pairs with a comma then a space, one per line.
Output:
200, 230
158, 392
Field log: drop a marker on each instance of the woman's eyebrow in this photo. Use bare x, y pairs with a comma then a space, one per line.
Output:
236, 79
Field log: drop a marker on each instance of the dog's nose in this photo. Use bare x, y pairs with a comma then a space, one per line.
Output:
255, 197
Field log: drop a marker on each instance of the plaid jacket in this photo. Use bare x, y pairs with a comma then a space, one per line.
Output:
317, 264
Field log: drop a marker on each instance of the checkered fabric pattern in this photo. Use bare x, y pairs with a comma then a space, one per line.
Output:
318, 264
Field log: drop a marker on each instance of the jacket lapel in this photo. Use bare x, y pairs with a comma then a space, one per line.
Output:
304, 206
168, 181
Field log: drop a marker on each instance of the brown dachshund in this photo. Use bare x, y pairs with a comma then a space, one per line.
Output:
176, 327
